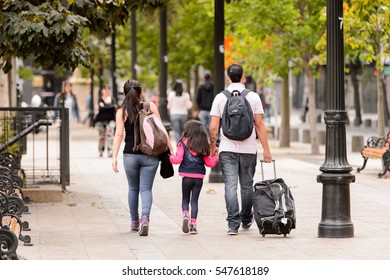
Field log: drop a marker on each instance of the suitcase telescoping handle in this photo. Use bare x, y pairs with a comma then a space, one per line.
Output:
262, 171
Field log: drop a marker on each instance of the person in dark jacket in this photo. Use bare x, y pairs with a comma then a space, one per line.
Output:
204, 99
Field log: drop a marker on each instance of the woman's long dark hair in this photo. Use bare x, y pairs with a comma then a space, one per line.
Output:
132, 103
178, 88
197, 137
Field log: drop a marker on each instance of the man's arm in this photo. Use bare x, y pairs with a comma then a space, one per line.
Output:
214, 128
261, 131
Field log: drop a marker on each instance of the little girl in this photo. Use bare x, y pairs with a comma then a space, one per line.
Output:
193, 154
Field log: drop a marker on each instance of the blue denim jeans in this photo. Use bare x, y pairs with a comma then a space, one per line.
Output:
140, 171
236, 168
178, 122
205, 118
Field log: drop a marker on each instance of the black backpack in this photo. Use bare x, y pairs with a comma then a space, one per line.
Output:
237, 116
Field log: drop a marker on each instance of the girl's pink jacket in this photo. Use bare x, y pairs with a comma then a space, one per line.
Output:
209, 161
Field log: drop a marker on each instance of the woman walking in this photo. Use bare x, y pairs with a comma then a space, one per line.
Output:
140, 168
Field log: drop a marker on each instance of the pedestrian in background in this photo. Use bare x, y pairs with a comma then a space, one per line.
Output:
193, 154
140, 168
179, 103
68, 99
204, 99
238, 158
105, 121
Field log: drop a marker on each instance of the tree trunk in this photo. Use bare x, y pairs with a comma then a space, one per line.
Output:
4, 90
284, 137
380, 107
315, 146
386, 113
356, 96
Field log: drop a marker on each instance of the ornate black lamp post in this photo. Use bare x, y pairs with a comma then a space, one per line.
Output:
219, 61
336, 178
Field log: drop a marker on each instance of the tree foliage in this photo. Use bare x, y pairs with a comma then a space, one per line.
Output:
51, 32
368, 33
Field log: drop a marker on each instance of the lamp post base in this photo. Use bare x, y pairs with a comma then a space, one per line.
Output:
215, 175
335, 231
336, 214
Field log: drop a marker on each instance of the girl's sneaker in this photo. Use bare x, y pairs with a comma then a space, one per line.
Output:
193, 229
186, 221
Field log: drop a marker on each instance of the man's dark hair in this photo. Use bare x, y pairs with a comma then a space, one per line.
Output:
235, 73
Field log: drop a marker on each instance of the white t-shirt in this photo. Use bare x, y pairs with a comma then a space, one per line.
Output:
247, 146
179, 105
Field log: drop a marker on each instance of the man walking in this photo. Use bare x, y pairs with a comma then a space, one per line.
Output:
238, 158
204, 99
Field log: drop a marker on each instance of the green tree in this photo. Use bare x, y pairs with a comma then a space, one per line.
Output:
51, 32
294, 29
368, 32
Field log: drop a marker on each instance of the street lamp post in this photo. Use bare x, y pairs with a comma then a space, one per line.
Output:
113, 64
133, 44
163, 68
336, 178
219, 76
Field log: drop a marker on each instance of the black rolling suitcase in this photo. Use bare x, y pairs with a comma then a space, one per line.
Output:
273, 206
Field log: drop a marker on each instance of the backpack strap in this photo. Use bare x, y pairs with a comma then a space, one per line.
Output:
227, 93
242, 93
245, 92
145, 106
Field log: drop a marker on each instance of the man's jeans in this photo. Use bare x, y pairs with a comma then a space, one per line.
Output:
205, 118
236, 168
140, 171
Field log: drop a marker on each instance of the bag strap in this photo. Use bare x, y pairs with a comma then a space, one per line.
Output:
242, 93
145, 106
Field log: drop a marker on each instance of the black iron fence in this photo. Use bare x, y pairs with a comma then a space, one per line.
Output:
39, 138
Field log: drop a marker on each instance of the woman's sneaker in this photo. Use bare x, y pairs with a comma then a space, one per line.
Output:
186, 222
144, 226
193, 229
135, 226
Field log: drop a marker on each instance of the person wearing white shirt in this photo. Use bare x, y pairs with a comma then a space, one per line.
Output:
179, 102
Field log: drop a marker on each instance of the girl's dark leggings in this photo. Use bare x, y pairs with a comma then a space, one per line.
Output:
191, 188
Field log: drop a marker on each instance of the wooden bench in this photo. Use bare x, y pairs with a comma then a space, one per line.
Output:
10, 186
15, 224
8, 239
377, 148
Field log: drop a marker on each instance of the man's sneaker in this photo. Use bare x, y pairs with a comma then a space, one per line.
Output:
247, 224
135, 226
232, 231
193, 229
144, 226
186, 223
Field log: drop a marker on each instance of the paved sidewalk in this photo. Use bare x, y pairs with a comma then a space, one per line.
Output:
92, 222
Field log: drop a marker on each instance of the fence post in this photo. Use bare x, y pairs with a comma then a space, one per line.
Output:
64, 148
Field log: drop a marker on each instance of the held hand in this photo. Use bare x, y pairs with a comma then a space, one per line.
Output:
267, 156
214, 151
